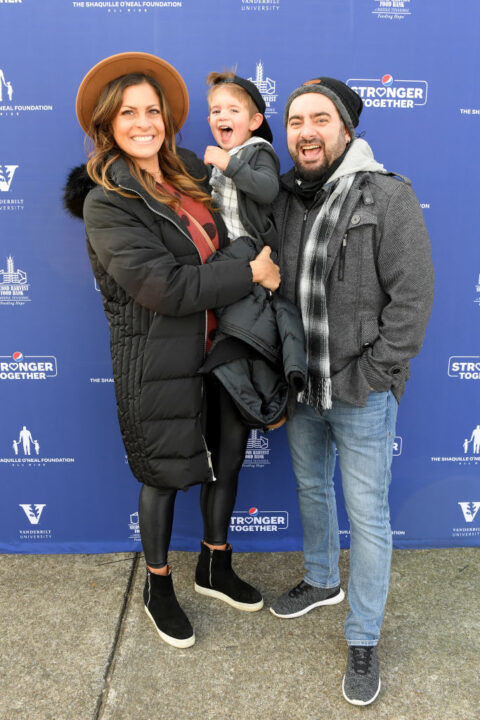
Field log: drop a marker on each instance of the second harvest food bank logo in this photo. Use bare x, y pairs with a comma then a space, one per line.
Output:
477, 288
258, 450
391, 9
388, 92
266, 87
13, 284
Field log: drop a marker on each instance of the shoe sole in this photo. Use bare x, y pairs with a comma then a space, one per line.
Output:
329, 601
246, 607
175, 642
360, 702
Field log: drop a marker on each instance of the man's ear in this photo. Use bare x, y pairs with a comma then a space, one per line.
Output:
255, 122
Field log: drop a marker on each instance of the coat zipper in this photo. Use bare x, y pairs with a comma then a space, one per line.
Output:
209, 460
341, 264
210, 568
186, 234
300, 251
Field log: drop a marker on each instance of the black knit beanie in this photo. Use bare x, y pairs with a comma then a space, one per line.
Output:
348, 103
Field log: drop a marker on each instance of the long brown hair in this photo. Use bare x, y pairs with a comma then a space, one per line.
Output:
106, 151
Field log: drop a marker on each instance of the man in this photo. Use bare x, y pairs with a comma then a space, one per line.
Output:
355, 257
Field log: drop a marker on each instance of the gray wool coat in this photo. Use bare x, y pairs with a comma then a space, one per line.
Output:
379, 280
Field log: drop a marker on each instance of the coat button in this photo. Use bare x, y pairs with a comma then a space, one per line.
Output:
355, 219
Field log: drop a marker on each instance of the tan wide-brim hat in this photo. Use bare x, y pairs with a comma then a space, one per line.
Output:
115, 66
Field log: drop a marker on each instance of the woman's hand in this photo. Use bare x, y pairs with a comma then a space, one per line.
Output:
264, 270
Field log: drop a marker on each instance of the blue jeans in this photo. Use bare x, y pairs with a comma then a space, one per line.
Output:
364, 440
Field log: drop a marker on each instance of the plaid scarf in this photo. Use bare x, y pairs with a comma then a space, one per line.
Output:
313, 303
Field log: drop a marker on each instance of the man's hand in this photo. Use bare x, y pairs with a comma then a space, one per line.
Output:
264, 270
216, 156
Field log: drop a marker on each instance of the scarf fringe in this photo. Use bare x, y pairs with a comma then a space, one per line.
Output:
317, 394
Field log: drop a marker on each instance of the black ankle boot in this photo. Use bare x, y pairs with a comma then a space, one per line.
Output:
215, 577
163, 609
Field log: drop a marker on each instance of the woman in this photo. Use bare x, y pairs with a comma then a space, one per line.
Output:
150, 228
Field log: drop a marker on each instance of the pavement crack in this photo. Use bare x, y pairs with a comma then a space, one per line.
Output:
110, 667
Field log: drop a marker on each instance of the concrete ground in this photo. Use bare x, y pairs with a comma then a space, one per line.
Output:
76, 644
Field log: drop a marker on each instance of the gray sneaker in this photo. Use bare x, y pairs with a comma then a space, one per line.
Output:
303, 598
361, 683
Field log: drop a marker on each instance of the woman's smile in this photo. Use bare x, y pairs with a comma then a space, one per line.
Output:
138, 128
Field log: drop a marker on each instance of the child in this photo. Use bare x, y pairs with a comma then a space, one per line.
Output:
245, 171
245, 181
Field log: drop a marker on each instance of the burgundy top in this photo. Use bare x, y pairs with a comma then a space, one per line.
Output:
203, 216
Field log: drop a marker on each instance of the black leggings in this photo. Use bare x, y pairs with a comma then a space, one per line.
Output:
226, 438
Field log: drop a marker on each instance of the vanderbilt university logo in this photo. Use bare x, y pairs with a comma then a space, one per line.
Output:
6, 176
469, 509
33, 512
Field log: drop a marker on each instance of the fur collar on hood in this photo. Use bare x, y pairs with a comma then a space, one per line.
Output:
77, 187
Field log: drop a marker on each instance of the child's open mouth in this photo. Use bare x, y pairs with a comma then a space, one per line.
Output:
225, 133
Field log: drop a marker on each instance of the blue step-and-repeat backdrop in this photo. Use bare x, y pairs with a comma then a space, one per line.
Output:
65, 485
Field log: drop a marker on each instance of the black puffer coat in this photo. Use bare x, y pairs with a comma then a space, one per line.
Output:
155, 293
259, 349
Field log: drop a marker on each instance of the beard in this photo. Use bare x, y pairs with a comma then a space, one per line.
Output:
311, 174
330, 156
